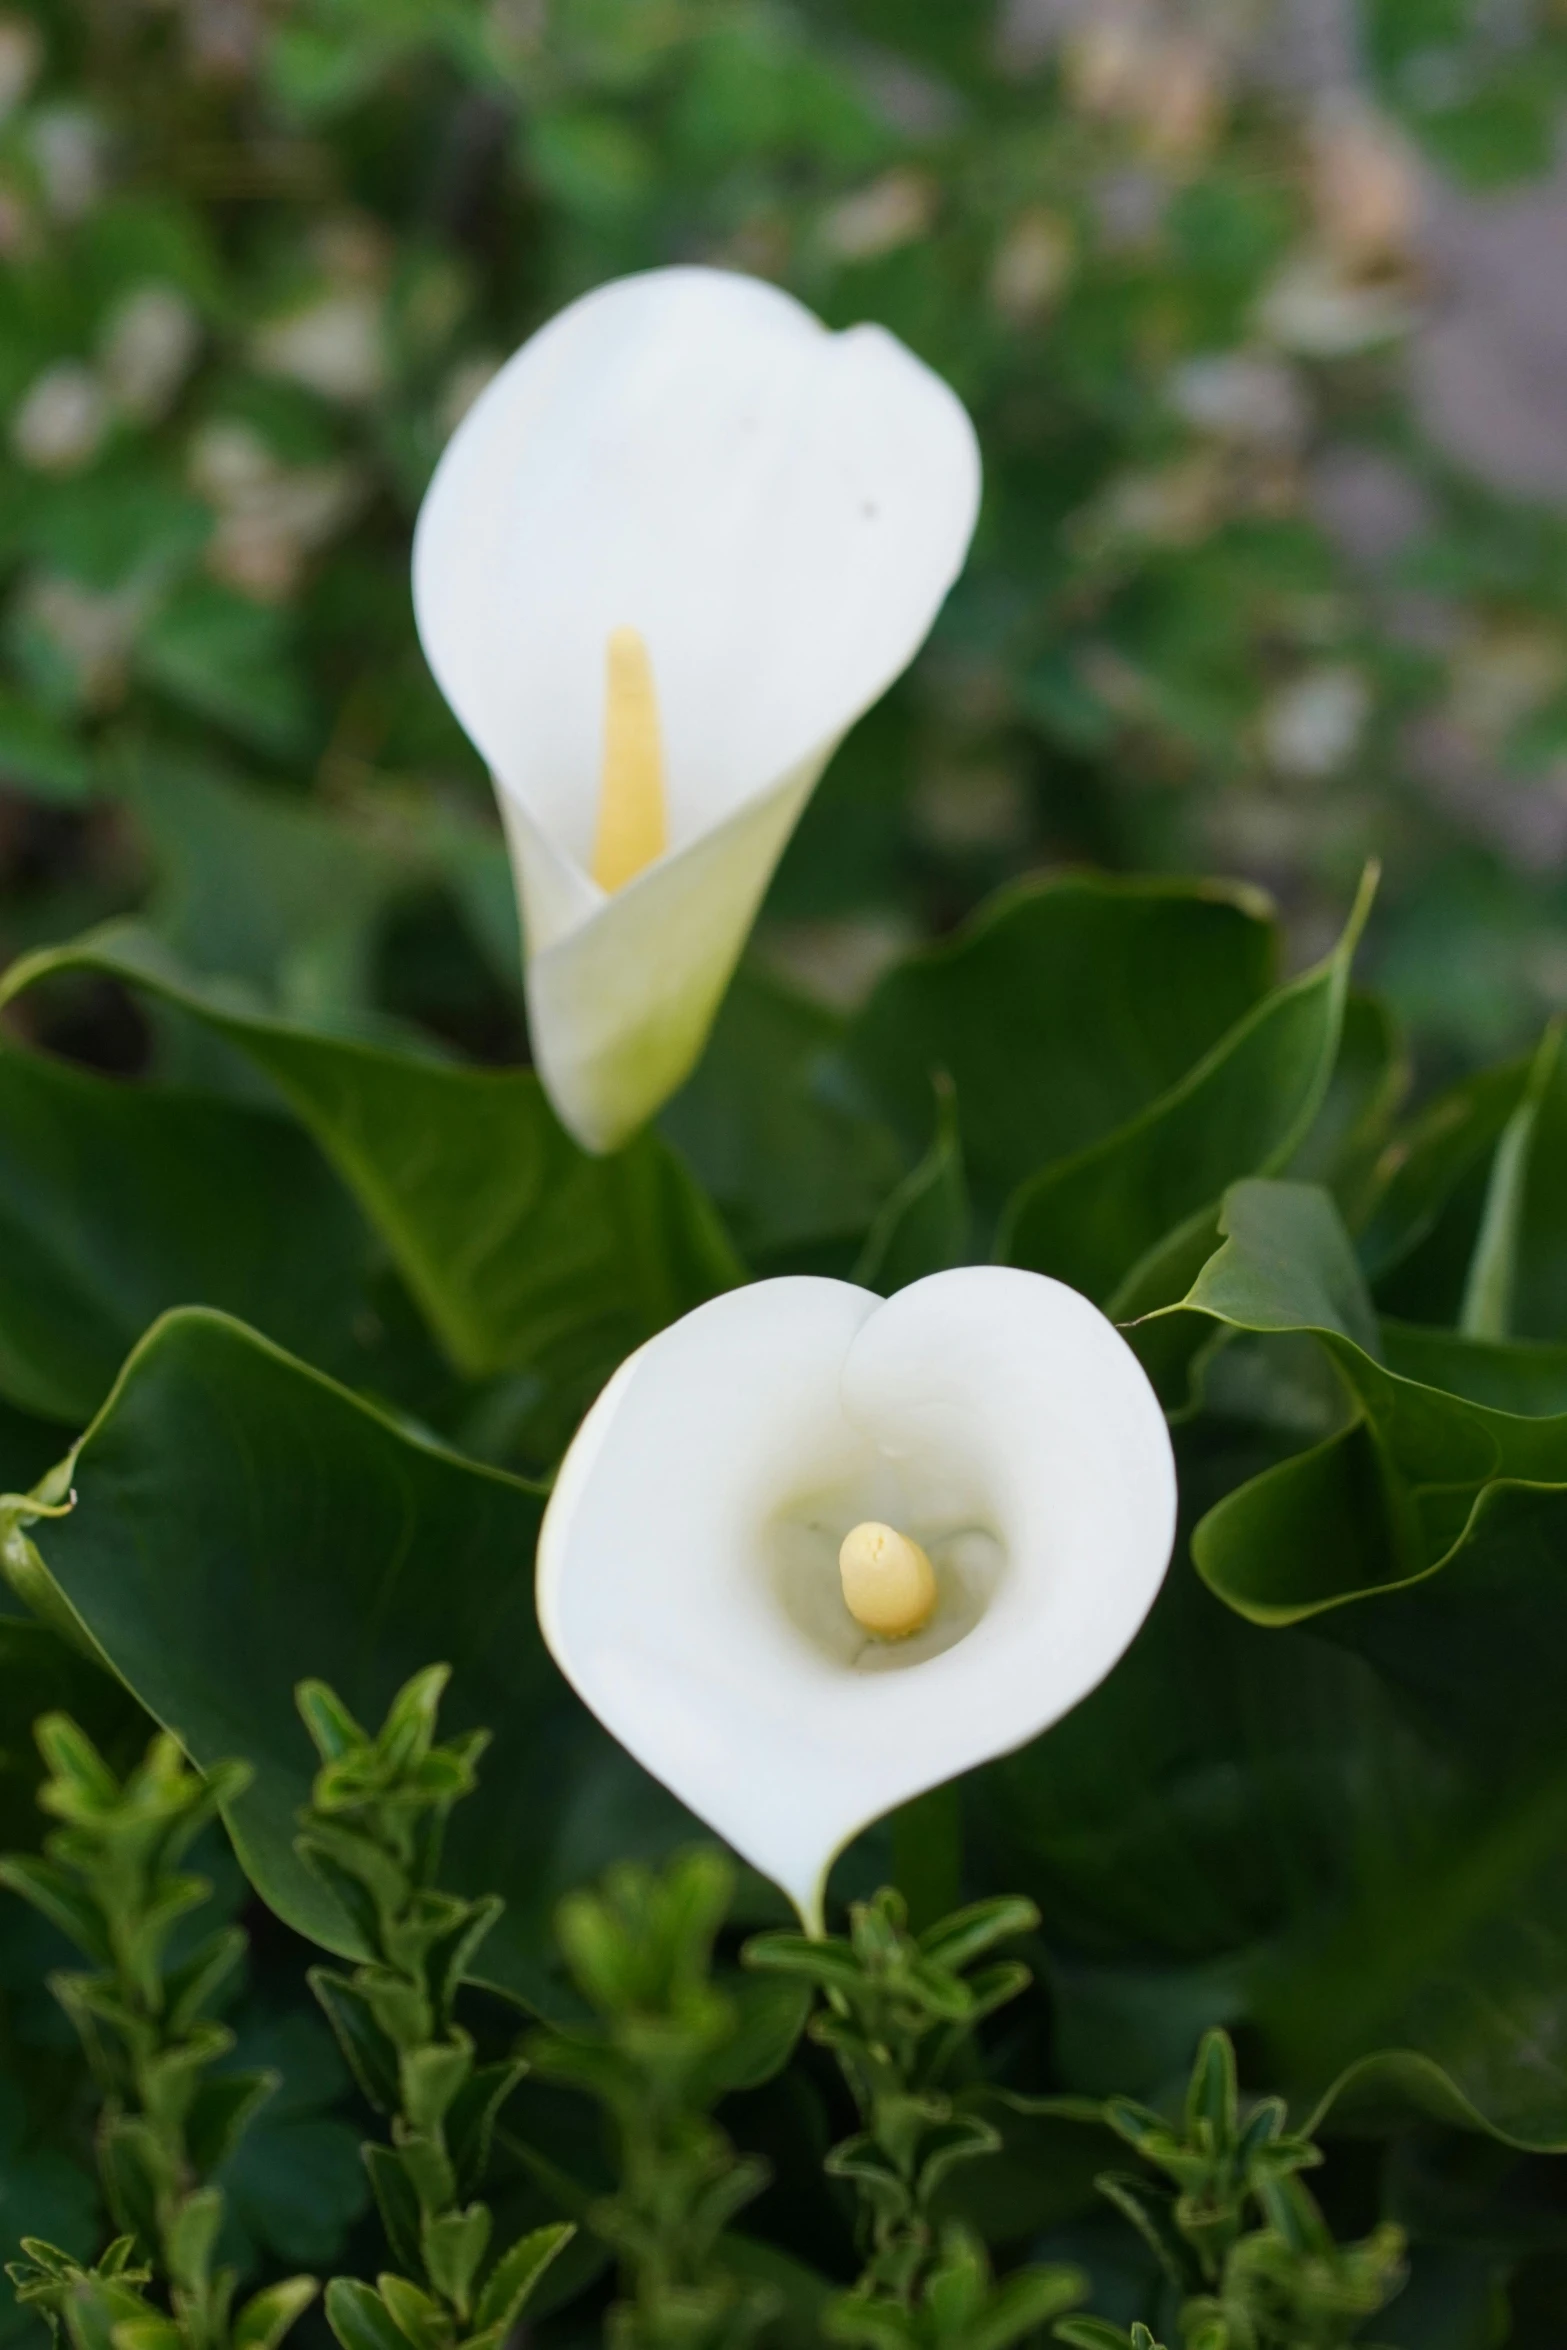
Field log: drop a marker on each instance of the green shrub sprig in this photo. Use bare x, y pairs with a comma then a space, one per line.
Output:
111, 1880
1238, 2235
657, 2057
898, 2016
372, 1833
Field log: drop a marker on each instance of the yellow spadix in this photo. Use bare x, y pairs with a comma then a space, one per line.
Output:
889, 1585
632, 824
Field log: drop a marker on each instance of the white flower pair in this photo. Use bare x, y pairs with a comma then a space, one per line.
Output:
810, 1553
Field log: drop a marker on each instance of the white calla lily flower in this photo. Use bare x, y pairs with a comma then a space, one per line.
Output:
676, 547
798, 1469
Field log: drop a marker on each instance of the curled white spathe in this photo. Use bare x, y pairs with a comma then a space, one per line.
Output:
780, 512
688, 1581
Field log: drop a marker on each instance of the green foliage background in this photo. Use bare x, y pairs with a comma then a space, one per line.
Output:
255, 259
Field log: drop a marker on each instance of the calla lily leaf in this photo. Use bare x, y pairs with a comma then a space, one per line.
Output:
1348, 1835
1258, 1826
242, 1523
1418, 1458
1524, 1376
1422, 1543
1514, 1280
1091, 1219
1351, 1135
1539, 1294
1113, 991
793, 1163
520, 1249
1456, 1957
1391, 2087
118, 1201
1418, 1240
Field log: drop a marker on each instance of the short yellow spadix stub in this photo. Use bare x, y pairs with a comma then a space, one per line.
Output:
632, 826
889, 1585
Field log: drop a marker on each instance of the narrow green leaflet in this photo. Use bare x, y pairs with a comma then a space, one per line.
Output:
1061, 1011
1352, 1131
1093, 1219
1539, 1302
118, 1201
1490, 1287
1469, 1221
242, 1523
520, 1248
1417, 1240
40, 1673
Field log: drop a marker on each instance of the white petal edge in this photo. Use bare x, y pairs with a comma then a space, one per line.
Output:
981, 1395
619, 1009
779, 509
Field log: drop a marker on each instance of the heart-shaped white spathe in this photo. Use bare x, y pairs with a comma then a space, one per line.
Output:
778, 512
688, 1581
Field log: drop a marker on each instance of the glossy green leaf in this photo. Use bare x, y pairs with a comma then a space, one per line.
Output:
1455, 1959
1352, 1129
1061, 1011
242, 1523
788, 1160
1411, 1470
118, 1201
1487, 1307
1518, 1375
1418, 1239
1093, 1219
1423, 1542
1539, 1301
521, 1249
1275, 1830
360, 2319
1286, 1265
1348, 1836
